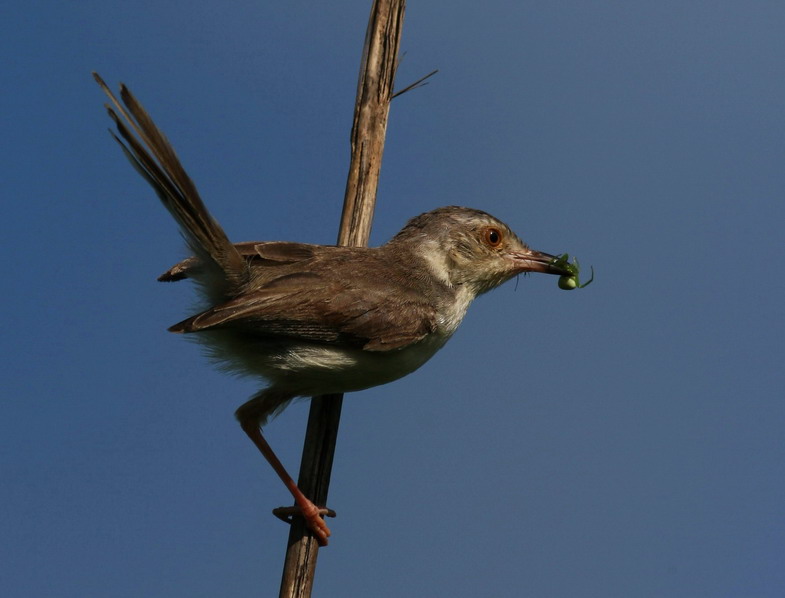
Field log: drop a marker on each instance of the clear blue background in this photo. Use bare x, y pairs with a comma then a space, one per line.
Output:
624, 440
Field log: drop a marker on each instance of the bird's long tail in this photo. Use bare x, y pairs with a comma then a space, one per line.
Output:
153, 157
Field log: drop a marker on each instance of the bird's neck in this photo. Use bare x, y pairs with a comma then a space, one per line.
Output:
436, 260
429, 259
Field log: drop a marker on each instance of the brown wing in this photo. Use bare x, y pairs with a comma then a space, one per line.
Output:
255, 253
352, 304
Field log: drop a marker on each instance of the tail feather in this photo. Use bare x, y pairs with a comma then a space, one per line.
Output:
161, 168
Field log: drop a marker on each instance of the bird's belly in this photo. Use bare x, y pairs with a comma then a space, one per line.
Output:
323, 369
314, 369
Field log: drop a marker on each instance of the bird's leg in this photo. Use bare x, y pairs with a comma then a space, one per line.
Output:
307, 509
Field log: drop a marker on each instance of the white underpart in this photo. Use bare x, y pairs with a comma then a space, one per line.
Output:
328, 369
436, 260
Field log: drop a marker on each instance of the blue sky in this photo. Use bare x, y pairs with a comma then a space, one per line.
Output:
623, 440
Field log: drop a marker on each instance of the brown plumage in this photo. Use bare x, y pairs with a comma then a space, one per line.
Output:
315, 319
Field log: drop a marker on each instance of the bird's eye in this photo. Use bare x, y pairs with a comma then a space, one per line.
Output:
492, 237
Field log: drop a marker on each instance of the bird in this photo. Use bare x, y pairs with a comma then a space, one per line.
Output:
311, 319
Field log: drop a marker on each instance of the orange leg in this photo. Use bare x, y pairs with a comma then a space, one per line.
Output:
309, 511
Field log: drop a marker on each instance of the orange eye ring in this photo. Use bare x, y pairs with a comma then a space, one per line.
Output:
492, 236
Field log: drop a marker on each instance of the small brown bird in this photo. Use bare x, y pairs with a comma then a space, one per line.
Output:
315, 319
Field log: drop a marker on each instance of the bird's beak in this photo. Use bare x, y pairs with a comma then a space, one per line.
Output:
537, 261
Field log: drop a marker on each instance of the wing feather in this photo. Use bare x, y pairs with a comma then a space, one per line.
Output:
325, 308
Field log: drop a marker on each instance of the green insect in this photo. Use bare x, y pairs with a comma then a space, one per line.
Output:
570, 281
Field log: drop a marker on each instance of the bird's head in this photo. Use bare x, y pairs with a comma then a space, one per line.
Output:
463, 246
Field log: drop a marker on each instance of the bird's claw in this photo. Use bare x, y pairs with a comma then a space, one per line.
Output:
313, 517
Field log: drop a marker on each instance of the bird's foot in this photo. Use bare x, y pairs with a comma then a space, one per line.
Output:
313, 516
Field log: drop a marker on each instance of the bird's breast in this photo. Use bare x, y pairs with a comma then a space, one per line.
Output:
324, 369
451, 313
308, 368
